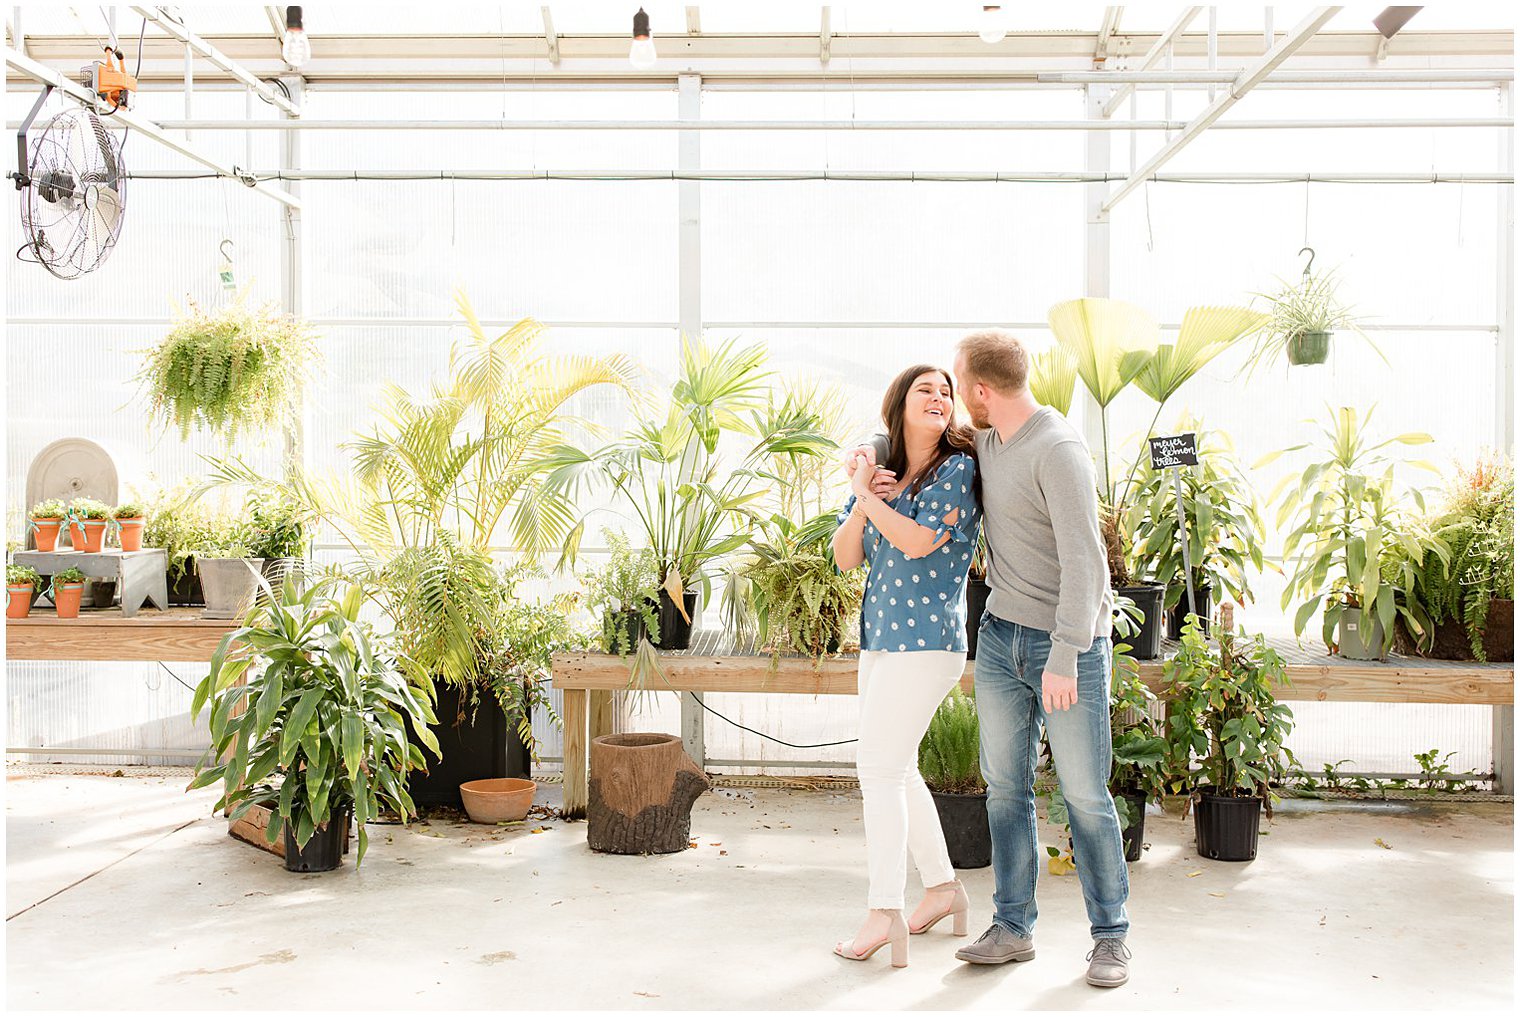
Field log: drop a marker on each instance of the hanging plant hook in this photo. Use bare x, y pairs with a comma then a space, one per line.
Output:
1310, 265
225, 244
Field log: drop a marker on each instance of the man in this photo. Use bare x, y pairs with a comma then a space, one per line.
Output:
1043, 654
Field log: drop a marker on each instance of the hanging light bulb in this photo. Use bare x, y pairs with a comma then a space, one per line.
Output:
297, 48
992, 28
641, 54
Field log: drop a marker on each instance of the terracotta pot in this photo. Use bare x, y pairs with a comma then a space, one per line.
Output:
498, 800
18, 599
46, 533
94, 536
76, 536
131, 532
66, 599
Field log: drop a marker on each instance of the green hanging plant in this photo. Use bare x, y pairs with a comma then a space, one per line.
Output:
229, 370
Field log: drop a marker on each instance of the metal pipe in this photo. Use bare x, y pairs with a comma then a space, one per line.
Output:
62, 321
134, 753
814, 125
1174, 77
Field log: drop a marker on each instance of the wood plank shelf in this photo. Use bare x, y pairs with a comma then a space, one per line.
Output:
178, 634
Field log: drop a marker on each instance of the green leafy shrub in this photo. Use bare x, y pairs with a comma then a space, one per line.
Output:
89, 508
803, 603
68, 575
627, 583
949, 756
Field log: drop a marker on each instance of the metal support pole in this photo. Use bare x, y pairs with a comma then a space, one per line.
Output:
1504, 394
1187, 554
189, 86
1096, 238
689, 311
291, 266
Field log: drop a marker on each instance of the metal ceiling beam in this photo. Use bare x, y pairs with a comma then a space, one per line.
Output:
276, 23
693, 21
551, 38
1106, 32
39, 72
1152, 57
210, 52
1247, 80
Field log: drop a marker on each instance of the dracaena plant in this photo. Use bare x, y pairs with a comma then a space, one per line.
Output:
690, 493
1222, 516
1344, 509
322, 726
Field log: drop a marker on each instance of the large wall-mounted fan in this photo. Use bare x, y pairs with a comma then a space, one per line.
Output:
73, 187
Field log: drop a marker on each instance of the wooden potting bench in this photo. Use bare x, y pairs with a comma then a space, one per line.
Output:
715, 664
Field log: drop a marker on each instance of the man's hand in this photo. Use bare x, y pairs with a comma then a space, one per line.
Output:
850, 458
1058, 691
883, 482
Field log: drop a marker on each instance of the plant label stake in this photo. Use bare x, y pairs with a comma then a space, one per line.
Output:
1172, 453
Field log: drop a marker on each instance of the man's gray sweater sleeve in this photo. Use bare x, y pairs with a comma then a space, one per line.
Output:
1067, 481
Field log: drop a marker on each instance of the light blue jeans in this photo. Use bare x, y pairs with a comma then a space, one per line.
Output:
1010, 659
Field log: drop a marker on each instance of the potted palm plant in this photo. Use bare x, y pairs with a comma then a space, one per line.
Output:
1225, 715
309, 716
950, 762
20, 583
1467, 599
689, 498
1304, 315
1224, 528
1112, 344
229, 370
625, 592
1344, 510
45, 520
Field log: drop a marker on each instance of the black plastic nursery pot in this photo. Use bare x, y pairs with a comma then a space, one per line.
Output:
675, 630
1227, 827
1150, 599
324, 851
479, 747
967, 835
622, 627
977, 592
1176, 618
1134, 834
185, 588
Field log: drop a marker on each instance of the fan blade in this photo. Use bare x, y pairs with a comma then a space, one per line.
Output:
106, 208
1393, 19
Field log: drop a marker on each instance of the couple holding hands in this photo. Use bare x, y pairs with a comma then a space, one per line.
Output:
920, 495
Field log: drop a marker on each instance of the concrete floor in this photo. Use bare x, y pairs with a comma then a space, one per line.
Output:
125, 893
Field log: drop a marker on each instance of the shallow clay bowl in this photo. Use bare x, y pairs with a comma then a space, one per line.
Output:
497, 800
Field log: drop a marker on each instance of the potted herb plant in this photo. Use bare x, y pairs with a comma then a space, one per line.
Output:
66, 591
20, 583
625, 593
130, 518
180, 525
1467, 598
321, 735
230, 370
275, 529
1224, 528
45, 519
88, 520
1113, 344
1304, 315
229, 577
950, 762
1344, 510
689, 499
1225, 715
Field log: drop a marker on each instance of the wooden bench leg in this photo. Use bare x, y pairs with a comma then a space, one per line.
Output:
601, 713
1504, 750
576, 786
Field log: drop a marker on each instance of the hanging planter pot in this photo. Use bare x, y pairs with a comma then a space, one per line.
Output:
1308, 348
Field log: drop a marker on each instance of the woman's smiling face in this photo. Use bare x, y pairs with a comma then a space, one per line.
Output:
929, 404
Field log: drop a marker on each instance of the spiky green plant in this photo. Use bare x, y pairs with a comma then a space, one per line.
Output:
949, 756
1309, 305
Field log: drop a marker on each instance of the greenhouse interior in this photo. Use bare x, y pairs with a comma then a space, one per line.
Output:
422, 422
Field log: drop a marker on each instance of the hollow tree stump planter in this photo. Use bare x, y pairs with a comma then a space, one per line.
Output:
642, 789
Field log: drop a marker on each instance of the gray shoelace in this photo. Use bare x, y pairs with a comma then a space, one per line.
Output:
1109, 949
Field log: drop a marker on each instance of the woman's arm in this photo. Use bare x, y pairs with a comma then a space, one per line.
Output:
849, 552
913, 539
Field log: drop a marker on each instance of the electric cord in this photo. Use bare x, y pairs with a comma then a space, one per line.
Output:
176, 677
791, 745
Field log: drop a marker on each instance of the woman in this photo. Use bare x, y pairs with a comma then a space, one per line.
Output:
918, 544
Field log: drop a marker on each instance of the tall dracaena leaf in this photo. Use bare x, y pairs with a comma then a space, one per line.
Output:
1053, 378
1111, 341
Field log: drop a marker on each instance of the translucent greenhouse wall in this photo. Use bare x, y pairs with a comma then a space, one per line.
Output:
844, 282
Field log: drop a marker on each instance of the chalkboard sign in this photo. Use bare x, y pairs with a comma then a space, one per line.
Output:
1176, 450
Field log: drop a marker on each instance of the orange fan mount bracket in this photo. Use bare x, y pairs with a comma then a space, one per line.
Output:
111, 82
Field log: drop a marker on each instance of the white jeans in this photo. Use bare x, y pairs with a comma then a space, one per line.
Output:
899, 693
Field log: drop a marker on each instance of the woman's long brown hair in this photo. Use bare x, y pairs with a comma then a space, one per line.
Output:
957, 437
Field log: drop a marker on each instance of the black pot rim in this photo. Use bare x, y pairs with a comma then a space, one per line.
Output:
1209, 794
958, 795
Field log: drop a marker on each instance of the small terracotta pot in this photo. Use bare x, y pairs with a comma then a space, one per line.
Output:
76, 536
94, 535
497, 799
18, 600
131, 533
46, 531
66, 599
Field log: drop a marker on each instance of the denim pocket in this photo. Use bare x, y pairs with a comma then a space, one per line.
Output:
985, 618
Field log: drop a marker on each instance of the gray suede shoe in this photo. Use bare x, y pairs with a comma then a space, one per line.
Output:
997, 946
1109, 965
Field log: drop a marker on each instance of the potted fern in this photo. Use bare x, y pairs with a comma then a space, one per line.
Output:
1225, 715
803, 604
624, 591
949, 759
230, 370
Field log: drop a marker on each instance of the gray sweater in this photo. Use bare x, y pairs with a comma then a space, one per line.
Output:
1048, 568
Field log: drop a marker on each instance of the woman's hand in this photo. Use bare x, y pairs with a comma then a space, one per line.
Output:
860, 477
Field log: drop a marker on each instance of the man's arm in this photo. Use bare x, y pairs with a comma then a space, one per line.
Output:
1067, 480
